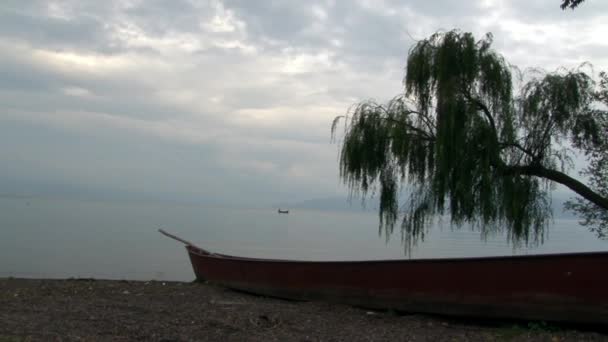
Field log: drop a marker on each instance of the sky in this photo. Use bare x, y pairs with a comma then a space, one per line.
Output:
228, 101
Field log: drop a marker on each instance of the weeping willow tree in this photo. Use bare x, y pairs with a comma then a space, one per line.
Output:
463, 143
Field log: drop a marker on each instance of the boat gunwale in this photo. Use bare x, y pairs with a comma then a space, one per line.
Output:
203, 253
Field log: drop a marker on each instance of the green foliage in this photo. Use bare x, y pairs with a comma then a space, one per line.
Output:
594, 216
464, 144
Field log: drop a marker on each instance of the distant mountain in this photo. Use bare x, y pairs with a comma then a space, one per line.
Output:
371, 205
332, 204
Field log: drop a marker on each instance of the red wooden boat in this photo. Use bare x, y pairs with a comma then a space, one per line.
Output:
569, 287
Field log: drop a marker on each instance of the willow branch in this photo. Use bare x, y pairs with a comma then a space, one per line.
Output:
422, 133
519, 147
484, 109
562, 178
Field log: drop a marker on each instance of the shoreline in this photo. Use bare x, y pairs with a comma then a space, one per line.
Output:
109, 310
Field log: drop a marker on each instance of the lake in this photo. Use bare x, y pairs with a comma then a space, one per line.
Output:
43, 238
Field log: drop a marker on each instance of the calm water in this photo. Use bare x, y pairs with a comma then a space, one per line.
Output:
63, 238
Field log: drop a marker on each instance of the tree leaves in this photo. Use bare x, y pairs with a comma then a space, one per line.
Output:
467, 146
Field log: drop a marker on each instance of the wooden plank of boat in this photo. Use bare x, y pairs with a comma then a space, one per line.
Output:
570, 287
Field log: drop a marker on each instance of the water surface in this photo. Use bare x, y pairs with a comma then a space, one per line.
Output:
119, 240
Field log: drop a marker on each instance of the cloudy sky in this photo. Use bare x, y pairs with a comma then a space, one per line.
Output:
228, 100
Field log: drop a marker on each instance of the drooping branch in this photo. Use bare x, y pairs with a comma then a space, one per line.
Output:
422, 134
486, 111
425, 119
561, 178
528, 152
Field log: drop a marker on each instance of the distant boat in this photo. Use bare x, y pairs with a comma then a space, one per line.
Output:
283, 211
567, 287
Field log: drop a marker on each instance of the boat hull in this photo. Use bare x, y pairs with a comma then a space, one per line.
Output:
558, 287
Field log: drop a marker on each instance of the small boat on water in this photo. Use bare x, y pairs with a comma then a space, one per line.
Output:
283, 211
570, 287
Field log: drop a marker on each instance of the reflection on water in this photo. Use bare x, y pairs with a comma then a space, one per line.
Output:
61, 238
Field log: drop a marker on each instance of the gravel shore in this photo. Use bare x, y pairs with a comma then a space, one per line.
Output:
108, 310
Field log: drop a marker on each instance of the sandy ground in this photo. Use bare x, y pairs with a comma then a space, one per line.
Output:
103, 310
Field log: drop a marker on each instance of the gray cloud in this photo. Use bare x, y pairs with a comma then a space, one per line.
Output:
52, 32
34, 24
178, 15
228, 99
